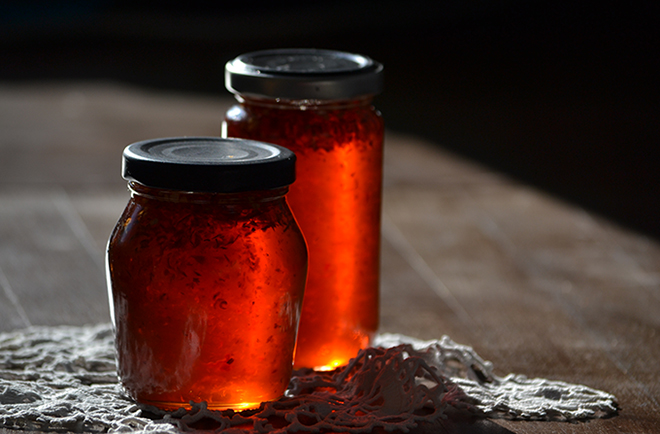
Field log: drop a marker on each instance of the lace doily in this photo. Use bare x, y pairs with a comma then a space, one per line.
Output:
64, 379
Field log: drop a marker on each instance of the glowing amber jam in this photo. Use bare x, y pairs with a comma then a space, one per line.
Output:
206, 291
337, 202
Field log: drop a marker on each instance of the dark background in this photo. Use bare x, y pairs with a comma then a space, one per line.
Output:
561, 94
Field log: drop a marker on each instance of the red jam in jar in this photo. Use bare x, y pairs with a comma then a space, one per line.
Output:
206, 273
318, 103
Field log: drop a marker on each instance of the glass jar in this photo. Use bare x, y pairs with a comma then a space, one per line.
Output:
206, 272
318, 103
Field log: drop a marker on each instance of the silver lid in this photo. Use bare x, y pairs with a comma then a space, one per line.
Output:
304, 74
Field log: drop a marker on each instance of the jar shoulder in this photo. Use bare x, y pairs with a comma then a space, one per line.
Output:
278, 125
245, 112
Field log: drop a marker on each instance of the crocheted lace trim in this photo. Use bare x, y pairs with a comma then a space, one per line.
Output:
64, 379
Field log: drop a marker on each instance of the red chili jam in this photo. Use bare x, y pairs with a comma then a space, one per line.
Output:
206, 273
317, 103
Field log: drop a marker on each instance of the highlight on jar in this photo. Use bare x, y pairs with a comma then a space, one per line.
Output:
206, 270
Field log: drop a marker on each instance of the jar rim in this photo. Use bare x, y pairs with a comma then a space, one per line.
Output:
208, 164
304, 73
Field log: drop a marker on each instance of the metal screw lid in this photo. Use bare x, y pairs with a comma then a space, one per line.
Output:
301, 73
208, 164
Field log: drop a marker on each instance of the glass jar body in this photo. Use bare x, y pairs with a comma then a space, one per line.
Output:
206, 292
337, 203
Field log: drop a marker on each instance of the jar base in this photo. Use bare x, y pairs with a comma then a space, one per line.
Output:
173, 406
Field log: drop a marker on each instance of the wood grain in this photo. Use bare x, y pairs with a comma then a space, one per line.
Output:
547, 289
535, 285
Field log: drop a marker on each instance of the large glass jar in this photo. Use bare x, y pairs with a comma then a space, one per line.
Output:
318, 103
206, 272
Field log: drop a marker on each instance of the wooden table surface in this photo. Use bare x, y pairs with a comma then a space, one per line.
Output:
536, 286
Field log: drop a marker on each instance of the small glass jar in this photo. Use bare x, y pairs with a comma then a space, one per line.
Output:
318, 103
206, 271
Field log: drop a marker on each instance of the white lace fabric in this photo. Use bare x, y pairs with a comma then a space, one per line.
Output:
64, 379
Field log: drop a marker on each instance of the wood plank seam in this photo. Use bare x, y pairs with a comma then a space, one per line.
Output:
395, 237
66, 208
13, 298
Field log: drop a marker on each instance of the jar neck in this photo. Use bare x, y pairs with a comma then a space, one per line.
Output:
305, 104
208, 198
